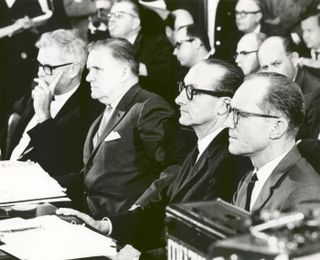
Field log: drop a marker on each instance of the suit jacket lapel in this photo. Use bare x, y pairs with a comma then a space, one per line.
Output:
276, 177
189, 177
123, 107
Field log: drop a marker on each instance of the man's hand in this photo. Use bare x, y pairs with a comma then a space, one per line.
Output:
100, 225
127, 253
42, 96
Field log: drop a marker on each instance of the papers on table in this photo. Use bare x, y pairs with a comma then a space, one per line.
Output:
23, 182
49, 237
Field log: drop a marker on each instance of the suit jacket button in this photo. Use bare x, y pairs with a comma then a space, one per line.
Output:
219, 28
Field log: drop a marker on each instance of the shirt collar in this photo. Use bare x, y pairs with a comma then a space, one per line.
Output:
65, 96
265, 171
132, 38
205, 141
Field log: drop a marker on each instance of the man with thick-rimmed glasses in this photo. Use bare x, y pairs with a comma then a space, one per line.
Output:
264, 117
208, 172
50, 125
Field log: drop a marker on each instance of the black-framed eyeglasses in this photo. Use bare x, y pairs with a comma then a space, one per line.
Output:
48, 69
245, 13
237, 114
179, 43
119, 15
243, 53
191, 91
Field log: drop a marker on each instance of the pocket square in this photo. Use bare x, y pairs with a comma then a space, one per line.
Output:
112, 136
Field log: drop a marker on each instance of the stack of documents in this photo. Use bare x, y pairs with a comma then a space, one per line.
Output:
49, 237
24, 182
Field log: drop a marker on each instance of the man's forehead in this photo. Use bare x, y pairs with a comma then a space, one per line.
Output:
246, 5
250, 93
204, 75
181, 34
246, 43
122, 6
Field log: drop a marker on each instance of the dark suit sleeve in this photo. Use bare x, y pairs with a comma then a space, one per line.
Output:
159, 132
310, 149
141, 227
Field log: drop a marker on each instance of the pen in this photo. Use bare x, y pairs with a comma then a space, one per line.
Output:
18, 229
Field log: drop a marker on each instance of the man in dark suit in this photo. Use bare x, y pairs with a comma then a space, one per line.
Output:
157, 65
133, 142
50, 124
264, 128
276, 55
208, 172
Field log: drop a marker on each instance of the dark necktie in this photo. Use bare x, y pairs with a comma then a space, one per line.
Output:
249, 191
316, 55
195, 156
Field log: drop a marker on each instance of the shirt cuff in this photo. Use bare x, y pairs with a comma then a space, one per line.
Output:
109, 223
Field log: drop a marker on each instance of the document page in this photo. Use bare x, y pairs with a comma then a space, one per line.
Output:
26, 181
53, 238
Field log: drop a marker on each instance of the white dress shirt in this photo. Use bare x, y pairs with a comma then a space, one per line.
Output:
313, 54
263, 174
205, 141
55, 106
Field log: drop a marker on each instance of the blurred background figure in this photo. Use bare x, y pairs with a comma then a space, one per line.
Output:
246, 56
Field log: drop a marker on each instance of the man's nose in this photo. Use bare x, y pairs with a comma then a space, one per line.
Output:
181, 98
229, 122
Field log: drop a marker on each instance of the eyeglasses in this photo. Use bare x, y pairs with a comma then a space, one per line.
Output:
243, 14
119, 15
179, 43
191, 91
243, 53
237, 114
48, 69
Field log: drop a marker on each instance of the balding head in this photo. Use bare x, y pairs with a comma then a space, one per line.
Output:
275, 56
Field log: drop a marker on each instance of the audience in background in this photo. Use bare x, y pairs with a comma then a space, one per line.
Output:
157, 66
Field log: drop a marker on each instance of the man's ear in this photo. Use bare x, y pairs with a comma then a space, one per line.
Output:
280, 127
222, 105
136, 23
74, 70
197, 43
294, 58
124, 74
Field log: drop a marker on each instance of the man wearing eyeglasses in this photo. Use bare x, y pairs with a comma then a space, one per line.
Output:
157, 66
263, 128
248, 16
246, 55
50, 125
208, 172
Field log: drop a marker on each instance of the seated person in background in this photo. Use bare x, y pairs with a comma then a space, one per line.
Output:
310, 25
50, 124
133, 142
191, 46
208, 172
264, 128
249, 16
174, 21
276, 55
157, 66
246, 55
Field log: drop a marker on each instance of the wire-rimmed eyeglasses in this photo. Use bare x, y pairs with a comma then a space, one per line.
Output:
119, 15
243, 53
179, 43
243, 14
48, 69
237, 114
191, 90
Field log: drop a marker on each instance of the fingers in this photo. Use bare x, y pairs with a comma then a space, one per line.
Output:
71, 212
55, 82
